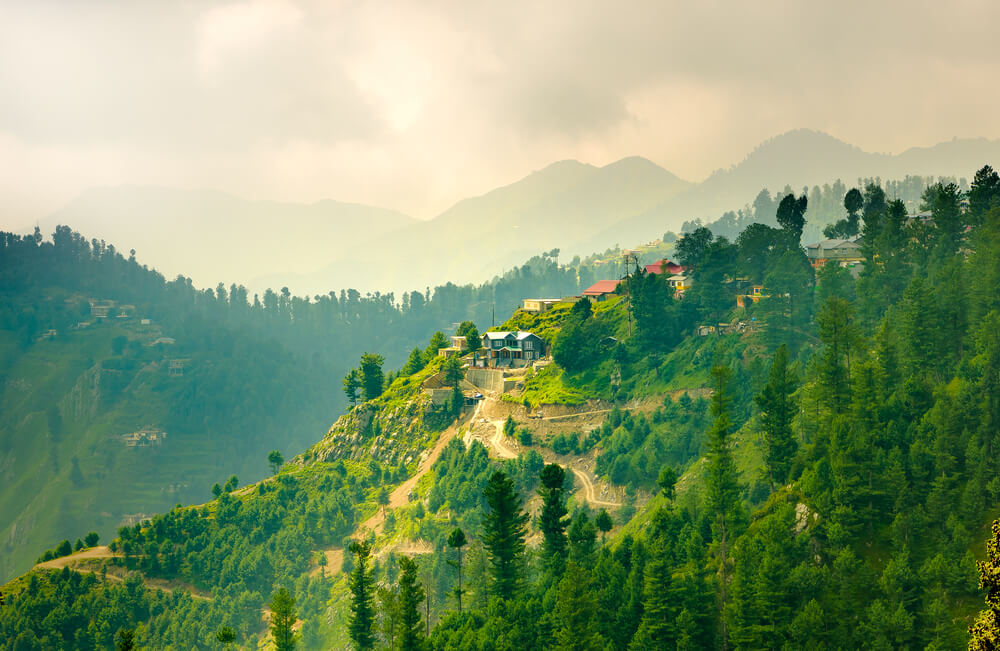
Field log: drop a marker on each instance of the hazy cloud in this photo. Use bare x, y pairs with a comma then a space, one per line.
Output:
413, 105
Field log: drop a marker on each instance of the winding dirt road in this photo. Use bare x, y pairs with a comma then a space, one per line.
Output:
501, 450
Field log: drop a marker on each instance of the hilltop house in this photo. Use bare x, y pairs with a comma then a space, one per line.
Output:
600, 290
512, 348
539, 305
844, 252
458, 345
665, 266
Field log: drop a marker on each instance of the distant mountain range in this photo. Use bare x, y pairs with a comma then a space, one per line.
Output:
212, 236
569, 205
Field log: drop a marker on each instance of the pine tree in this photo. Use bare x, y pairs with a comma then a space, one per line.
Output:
722, 481
456, 540
657, 630
362, 586
411, 635
576, 612
352, 384
777, 409
504, 530
552, 520
840, 335
414, 363
282, 608
452, 370
372, 378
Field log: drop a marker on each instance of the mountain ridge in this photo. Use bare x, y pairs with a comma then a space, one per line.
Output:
571, 205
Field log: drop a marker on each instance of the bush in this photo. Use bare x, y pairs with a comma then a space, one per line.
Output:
524, 436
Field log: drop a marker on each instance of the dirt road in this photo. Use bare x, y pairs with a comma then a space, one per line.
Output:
500, 449
400, 496
77, 563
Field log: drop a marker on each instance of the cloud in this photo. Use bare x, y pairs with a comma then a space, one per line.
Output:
415, 105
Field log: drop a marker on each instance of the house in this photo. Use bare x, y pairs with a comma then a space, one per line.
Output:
680, 283
168, 341
512, 348
99, 309
175, 367
48, 334
665, 266
458, 345
126, 311
145, 438
925, 217
843, 252
755, 294
539, 305
600, 290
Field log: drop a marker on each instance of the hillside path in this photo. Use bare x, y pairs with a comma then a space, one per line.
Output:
101, 552
400, 496
500, 449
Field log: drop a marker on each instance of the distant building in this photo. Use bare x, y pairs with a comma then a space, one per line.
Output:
458, 345
665, 266
175, 367
512, 348
166, 341
144, 438
844, 252
680, 282
100, 309
539, 305
755, 294
126, 311
600, 290
48, 334
925, 217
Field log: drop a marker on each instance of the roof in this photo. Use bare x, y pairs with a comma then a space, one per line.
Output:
678, 277
503, 334
601, 287
834, 244
657, 267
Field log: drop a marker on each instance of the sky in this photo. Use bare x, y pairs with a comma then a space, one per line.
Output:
414, 105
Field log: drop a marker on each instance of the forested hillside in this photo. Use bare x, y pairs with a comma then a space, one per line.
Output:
814, 468
253, 373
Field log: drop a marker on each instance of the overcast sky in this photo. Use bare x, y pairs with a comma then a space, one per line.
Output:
413, 105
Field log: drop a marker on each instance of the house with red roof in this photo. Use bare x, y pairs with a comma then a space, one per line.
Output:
665, 266
600, 290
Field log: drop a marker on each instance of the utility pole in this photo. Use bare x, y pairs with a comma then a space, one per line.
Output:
628, 287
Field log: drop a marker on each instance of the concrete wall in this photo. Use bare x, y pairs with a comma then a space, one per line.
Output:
486, 379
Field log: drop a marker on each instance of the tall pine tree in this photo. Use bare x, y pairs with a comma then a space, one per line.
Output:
552, 520
722, 482
777, 409
362, 586
411, 635
504, 530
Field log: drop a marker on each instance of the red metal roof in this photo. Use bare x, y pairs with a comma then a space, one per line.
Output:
657, 267
601, 287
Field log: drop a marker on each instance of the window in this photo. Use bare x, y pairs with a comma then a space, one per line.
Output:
527, 344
